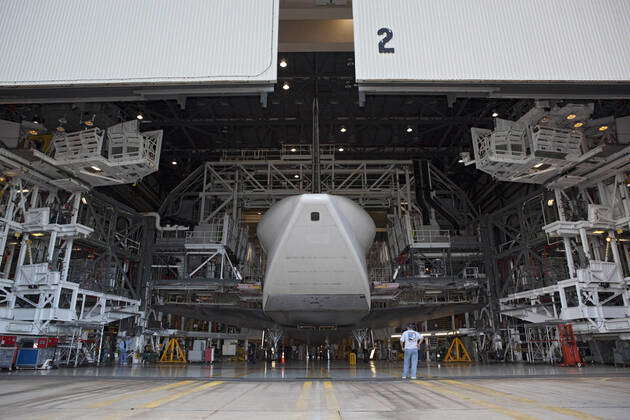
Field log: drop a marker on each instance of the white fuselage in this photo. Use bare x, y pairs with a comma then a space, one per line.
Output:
316, 268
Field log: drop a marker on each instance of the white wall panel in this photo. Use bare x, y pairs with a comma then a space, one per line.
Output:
494, 40
114, 42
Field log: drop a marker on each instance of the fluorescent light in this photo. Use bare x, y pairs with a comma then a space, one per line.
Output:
286, 86
284, 63
38, 234
603, 128
578, 124
293, 150
396, 335
96, 168
83, 200
23, 191
538, 165
571, 117
550, 202
599, 232
461, 161
495, 114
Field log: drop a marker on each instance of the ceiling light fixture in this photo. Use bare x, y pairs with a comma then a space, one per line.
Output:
460, 161
296, 176
140, 116
83, 200
23, 191
578, 124
571, 117
603, 128
409, 129
495, 114
174, 163
550, 202
343, 129
599, 232
286, 86
284, 63
341, 149
538, 165
293, 150
32, 132
61, 129
96, 168
38, 234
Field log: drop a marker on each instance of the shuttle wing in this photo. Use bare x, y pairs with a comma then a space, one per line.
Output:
400, 315
227, 314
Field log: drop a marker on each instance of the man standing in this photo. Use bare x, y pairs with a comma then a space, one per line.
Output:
410, 341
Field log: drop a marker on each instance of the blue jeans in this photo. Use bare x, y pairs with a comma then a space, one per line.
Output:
411, 358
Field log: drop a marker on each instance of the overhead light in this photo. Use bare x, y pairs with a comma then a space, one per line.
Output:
2, 179
13, 243
409, 129
88, 123
32, 132
460, 161
599, 232
174, 163
286, 86
495, 114
83, 200
296, 176
538, 165
343, 129
608, 239
38, 234
603, 128
396, 335
578, 124
259, 213
284, 63
293, 150
140, 116
61, 129
96, 168
551, 202
571, 117
341, 149
35, 120
23, 191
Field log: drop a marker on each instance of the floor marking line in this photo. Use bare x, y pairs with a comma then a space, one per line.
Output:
123, 397
331, 399
491, 392
161, 401
301, 402
497, 408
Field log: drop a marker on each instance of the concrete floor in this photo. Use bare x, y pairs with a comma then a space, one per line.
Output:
532, 398
366, 392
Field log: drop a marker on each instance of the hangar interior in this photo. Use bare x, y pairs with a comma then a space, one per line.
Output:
128, 212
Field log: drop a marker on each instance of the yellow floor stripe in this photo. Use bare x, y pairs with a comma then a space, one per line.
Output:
301, 403
161, 401
497, 408
331, 400
123, 397
491, 392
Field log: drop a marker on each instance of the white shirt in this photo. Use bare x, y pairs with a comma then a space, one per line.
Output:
411, 339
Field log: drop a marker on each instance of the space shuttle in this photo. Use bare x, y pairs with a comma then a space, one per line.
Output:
316, 277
